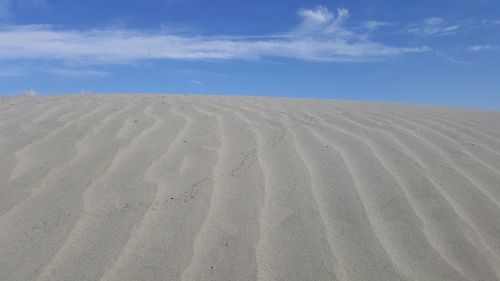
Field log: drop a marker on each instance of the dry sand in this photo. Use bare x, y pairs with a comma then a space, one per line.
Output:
150, 187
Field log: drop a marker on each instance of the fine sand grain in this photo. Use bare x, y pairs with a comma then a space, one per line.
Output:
173, 187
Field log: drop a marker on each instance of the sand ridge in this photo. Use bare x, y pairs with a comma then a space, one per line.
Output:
188, 187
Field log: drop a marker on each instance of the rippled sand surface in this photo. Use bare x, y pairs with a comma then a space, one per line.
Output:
173, 187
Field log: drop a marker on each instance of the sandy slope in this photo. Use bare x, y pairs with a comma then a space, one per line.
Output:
230, 188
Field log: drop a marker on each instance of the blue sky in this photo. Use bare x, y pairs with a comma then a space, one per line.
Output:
439, 52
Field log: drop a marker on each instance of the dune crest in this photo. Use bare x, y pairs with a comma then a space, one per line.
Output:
185, 187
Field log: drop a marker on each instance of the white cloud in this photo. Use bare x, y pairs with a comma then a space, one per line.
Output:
321, 21
196, 82
322, 37
319, 14
434, 21
36, 68
374, 25
434, 26
491, 22
478, 48
74, 72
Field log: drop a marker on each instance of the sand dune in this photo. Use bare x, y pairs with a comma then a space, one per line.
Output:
151, 187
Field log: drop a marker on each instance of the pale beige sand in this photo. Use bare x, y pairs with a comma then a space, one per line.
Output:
124, 187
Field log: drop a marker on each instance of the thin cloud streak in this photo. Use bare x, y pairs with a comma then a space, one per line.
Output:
374, 25
77, 72
196, 82
321, 36
435, 26
479, 48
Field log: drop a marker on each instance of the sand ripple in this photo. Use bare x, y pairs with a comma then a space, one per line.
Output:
152, 187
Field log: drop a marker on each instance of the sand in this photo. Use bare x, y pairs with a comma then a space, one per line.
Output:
174, 187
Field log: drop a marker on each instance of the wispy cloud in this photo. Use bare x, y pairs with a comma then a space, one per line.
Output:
374, 25
322, 22
32, 68
196, 82
74, 72
434, 26
491, 22
478, 48
320, 36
